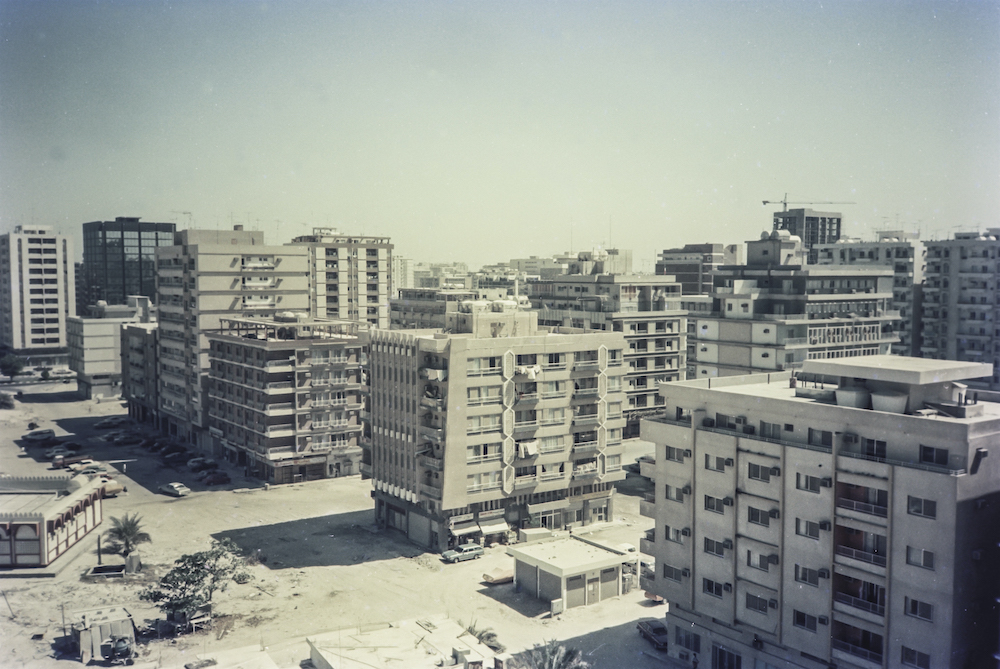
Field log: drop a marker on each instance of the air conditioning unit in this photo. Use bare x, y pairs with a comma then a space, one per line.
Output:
773, 604
775, 471
774, 513
728, 501
823, 620
730, 462
687, 453
749, 429
826, 482
850, 438
727, 543
708, 422
824, 573
685, 572
686, 490
824, 525
772, 558
728, 587
686, 532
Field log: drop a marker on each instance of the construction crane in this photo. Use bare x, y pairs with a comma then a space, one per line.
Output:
784, 203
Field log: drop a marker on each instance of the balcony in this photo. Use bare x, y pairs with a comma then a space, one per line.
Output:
366, 470
279, 409
522, 482
585, 447
647, 543
527, 398
857, 603
525, 425
858, 651
863, 507
434, 433
587, 473
857, 554
585, 392
430, 462
430, 491
586, 419
548, 477
647, 506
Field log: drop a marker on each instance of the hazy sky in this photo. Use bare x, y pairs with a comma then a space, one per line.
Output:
481, 131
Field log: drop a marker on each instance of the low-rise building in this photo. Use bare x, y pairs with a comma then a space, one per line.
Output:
428, 308
95, 351
853, 523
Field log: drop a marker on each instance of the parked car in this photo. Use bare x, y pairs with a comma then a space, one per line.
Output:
57, 450
463, 552
127, 440
72, 445
175, 489
93, 470
655, 632
217, 478
175, 457
39, 436
172, 448
112, 421
199, 464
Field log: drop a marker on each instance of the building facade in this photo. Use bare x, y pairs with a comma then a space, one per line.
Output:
286, 396
645, 308
493, 426
961, 308
349, 276
854, 524
206, 276
119, 260
774, 313
693, 264
904, 253
430, 308
139, 364
95, 352
37, 292
812, 227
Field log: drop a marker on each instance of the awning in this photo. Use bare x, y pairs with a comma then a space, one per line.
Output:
464, 528
494, 526
548, 506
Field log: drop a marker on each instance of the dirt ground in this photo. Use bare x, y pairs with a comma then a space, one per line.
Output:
322, 566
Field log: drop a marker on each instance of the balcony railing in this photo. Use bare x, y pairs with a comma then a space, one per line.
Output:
863, 507
864, 556
858, 651
430, 491
525, 481
585, 446
850, 600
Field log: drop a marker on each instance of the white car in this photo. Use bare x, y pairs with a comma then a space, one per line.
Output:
175, 489
39, 435
57, 450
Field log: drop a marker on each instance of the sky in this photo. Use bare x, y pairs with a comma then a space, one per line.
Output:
484, 131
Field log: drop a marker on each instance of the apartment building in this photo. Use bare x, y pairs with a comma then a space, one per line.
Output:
644, 307
285, 395
960, 314
904, 253
852, 524
401, 275
206, 276
119, 260
774, 312
812, 227
37, 292
139, 364
693, 264
429, 308
349, 276
95, 351
494, 425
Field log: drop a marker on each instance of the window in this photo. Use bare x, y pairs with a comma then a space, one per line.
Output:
918, 609
688, 639
914, 658
770, 430
758, 561
919, 557
820, 437
674, 493
758, 516
788, 426
675, 454
714, 504
673, 534
807, 528
934, 456
806, 482
759, 473
715, 463
873, 447
672, 573
921, 507
711, 587
755, 603
714, 547
806, 575
725, 659
805, 621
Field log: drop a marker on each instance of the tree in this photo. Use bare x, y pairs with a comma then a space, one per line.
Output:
551, 655
126, 533
11, 365
195, 578
486, 636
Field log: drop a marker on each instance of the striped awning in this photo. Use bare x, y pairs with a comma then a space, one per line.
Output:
494, 526
461, 529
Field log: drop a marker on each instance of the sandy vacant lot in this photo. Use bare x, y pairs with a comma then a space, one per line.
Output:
323, 566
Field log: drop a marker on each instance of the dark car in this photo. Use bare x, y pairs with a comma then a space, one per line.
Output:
176, 456
173, 448
655, 632
217, 478
73, 446
128, 440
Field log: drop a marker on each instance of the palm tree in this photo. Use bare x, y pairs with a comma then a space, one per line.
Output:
486, 636
127, 533
552, 655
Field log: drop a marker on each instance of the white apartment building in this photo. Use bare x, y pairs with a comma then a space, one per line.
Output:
960, 317
775, 312
286, 395
494, 425
95, 345
349, 276
206, 276
37, 292
852, 524
429, 308
905, 254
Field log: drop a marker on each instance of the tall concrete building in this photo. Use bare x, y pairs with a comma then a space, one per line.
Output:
774, 312
140, 364
95, 345
693, 264
959, 318
645, 308
349, 276
904, 253
493, 426
851, 525
401, 275
37, 292
206, 276
119, 260
812, 227
286, 395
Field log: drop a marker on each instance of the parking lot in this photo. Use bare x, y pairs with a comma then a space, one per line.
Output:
323, 565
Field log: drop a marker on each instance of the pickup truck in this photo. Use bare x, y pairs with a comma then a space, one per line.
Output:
60, 461
655, 632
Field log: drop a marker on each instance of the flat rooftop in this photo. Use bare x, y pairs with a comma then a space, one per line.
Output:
569, 556
899, 369
25, 502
